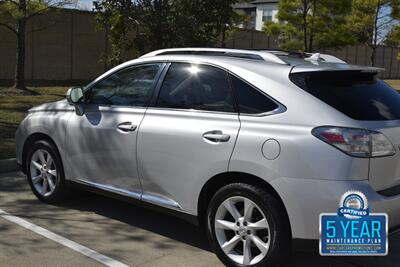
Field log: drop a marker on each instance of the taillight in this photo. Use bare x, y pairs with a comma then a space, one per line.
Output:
355, 142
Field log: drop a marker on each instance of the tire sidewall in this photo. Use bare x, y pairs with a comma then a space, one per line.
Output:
60, 181
270, 212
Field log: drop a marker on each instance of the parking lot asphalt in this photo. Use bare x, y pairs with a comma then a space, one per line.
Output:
125, 233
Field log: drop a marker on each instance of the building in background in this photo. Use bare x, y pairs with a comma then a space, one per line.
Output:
257, 13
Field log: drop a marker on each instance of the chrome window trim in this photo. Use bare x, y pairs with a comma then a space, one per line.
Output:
165, 65
280, 109
116, 106
193, 111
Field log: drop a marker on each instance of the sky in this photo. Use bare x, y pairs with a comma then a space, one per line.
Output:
85, 4
88, 5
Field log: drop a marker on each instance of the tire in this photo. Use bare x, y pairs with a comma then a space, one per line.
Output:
39, 152
273, 227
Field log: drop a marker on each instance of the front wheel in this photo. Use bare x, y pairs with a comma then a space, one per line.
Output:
247, 227
45, 172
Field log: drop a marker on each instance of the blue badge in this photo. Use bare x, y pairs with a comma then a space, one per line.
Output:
353, 231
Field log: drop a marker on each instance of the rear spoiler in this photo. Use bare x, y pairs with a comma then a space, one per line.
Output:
328, 66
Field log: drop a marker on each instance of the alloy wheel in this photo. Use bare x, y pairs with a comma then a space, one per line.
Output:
242, 230
43, 172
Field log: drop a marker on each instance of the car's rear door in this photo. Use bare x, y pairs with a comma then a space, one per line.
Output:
102, 143
187, 135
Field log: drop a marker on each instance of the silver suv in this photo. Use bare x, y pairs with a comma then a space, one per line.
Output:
252, 145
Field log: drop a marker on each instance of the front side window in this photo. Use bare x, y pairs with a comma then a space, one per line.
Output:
197, 87
129, 87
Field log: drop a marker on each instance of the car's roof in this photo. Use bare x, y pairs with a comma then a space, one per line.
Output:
298, 61
271, 63
233, 64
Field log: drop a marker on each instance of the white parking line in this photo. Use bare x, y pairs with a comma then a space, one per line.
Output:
62, 240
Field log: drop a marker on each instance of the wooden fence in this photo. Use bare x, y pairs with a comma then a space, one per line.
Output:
72, 49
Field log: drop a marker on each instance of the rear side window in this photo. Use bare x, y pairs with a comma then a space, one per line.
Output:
198, 87
358, 95
250, 100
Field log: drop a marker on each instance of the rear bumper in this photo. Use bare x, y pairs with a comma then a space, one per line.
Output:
306, 199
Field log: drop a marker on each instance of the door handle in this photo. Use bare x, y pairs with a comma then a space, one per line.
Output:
127, 127
216, 136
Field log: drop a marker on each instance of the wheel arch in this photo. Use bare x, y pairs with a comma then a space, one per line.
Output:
222, 179
32, 139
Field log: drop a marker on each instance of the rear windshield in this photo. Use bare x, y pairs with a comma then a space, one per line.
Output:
358, 95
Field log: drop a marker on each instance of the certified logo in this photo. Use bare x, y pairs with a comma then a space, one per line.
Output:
353, 205
353, 231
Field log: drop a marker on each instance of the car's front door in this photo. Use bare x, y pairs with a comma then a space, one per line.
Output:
187, 136
102, 143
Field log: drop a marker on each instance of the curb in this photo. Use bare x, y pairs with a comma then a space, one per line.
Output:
8, 165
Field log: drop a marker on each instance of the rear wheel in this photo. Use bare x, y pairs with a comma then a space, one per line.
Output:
45, 172
246, 227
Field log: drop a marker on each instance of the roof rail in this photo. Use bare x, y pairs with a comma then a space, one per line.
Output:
241, 53
269, 55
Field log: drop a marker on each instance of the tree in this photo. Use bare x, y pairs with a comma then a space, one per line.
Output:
14, 16
205, 22
370, 19
184, 22
156, 20
116, 17
167, 23
393, 36
309, 25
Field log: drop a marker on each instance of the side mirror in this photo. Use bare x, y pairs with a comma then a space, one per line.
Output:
74, 97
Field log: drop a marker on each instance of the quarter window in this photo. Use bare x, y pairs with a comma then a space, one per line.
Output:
128, 87
198, 87
250, 100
